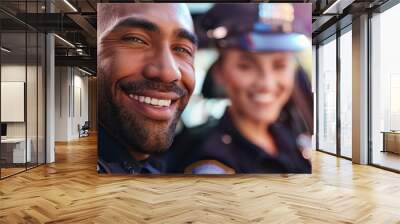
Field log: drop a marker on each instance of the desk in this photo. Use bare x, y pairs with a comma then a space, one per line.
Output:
13, 150
391, 141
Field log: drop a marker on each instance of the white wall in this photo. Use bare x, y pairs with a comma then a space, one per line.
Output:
79, 117
70, 83
61, 103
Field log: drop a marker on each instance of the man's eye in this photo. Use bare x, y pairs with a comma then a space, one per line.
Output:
183, 50
133, 39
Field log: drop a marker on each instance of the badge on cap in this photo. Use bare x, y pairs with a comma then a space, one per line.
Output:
277, 16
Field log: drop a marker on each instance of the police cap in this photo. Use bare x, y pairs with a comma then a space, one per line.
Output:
255, 27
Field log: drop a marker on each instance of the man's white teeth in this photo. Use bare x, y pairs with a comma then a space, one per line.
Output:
151, 101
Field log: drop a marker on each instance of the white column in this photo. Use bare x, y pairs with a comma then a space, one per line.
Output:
50, 92
314, 91
360, 90
50, 99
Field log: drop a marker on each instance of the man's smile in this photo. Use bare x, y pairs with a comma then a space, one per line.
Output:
151, 101
153, 104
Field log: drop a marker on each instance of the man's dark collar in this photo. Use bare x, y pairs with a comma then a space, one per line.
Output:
113, 154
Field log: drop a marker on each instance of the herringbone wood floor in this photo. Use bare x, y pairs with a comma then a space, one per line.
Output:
70, 191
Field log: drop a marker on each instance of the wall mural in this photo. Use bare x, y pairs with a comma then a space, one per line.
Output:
147, 73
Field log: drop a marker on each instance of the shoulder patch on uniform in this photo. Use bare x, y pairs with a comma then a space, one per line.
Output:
208, 167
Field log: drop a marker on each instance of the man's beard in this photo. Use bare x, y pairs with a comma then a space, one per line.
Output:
140, 133
135, 131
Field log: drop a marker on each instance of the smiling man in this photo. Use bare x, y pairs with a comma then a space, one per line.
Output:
145, 78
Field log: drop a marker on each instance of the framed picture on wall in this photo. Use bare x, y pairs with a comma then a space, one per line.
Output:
12, 101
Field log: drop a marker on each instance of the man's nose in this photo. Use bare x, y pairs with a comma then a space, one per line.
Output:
163, 67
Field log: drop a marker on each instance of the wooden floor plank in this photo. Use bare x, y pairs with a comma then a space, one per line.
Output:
70, 191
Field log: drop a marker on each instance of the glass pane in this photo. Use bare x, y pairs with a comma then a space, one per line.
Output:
327, 97
385, 86
32, 87
41, 98
31, 98
13, 87
23, 82
346, 94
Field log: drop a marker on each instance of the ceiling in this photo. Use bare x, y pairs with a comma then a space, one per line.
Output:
75, 22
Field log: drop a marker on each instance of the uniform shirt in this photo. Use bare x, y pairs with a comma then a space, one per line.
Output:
228, 146
115, 159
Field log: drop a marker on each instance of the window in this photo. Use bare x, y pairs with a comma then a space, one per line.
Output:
385, 89
327, 97
346, 94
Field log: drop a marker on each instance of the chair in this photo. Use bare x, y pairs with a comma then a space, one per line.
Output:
84, 130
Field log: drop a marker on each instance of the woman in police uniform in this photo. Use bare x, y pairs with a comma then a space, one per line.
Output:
261, 131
